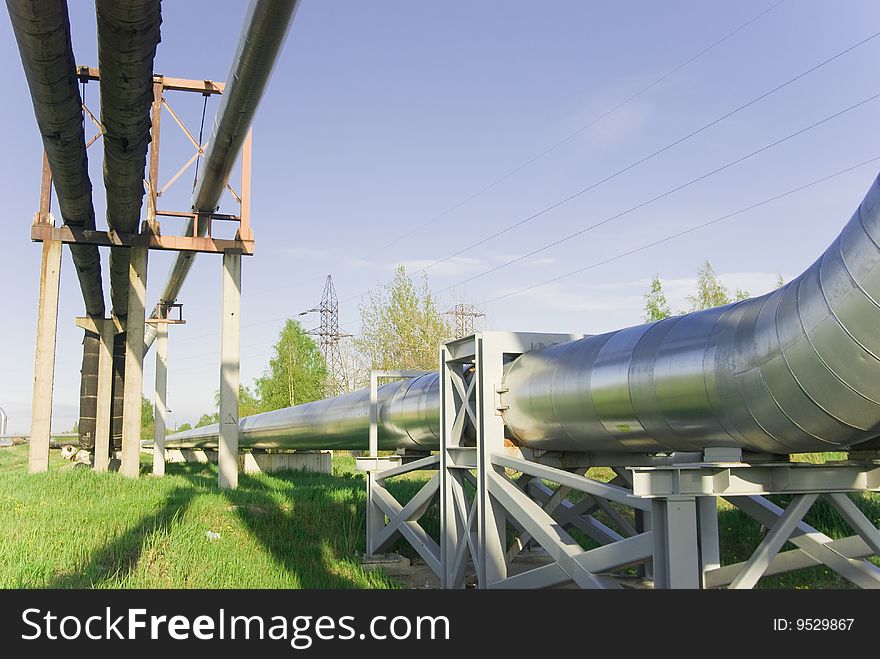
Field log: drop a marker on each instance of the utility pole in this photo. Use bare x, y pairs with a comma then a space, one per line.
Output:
329, 336
464, 315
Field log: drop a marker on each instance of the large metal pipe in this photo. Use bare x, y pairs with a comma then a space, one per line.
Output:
265, 29
796, 370
42, 30
128, 33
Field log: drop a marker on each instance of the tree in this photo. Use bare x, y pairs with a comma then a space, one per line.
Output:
183, 427
780, 280
147, 419
741, 295
401, 326
296, 372
208, 419
656, 304
248, 403
710, 291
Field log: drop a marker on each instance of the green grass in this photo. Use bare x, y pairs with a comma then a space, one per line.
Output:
72, 528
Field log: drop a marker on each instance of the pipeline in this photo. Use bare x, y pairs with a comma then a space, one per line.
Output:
265, 29
42, 30
128, 34
792, 371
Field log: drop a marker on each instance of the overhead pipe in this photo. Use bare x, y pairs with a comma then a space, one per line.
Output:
42, 31
795, 370
128, 34
265, 29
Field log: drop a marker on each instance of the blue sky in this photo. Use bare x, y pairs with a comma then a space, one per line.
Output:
381, 116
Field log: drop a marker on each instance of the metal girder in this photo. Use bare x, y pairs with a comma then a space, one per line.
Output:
548, 533
754, 479
773, 541
427, 548
75, 236
421, 463
627, 552
857, 520
813, 543
580, 483
414, 509
852, 547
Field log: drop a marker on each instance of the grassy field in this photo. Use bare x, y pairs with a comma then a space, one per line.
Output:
72, 528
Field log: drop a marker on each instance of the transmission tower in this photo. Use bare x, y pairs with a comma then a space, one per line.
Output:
464, 315
329, 336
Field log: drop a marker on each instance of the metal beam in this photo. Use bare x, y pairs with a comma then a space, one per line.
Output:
778, 534
813, 543
204, 244
549, 534
852, 547
603, 490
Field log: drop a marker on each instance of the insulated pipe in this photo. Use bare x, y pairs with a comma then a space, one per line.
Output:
42, 30
128, 33
265, 29
408, 418
793, 371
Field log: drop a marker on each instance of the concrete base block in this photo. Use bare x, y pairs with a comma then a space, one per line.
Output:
393, 565
320, 462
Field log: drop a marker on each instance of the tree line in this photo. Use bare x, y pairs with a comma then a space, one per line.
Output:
401, 328
710, 293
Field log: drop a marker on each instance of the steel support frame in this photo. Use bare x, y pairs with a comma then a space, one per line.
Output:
675, 536
149, 237
388, 519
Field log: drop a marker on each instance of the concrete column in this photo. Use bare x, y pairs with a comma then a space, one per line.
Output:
134, 363
230, 348
107, 330
160, 407
44, 360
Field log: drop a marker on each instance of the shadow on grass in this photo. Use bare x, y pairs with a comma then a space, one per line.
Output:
116, 560
311, 524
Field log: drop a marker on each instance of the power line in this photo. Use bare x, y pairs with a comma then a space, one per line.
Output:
685, 231
567, 138
662, 195
644, 159
580, 130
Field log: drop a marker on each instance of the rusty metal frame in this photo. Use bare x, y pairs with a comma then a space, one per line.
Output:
150, 235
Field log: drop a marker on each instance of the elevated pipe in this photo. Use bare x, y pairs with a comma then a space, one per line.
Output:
128, 34
796, 370
265, 29
42, 31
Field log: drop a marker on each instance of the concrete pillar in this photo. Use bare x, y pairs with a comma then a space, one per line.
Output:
107, 330
230, 348
160, 403
134, 363
44, 360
